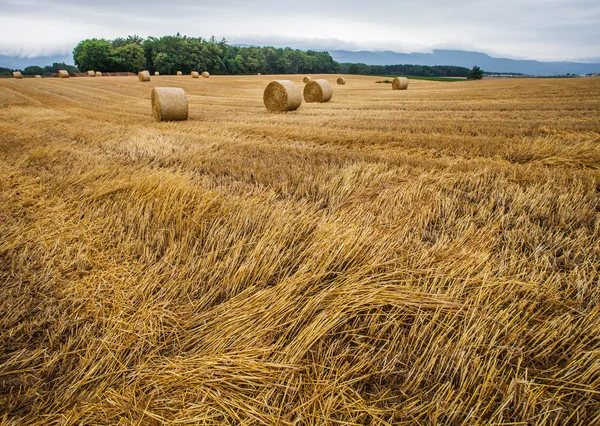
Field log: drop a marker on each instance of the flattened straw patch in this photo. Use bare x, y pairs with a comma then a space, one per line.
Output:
169, 104
282, 95
144, 76
400, 83
318, 91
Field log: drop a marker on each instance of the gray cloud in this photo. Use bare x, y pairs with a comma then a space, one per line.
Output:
535, 29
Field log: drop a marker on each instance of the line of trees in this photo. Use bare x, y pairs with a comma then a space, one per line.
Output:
44, 71
416, 70
170, 54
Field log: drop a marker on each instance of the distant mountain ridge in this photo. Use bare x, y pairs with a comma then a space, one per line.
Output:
465, 59
437, 57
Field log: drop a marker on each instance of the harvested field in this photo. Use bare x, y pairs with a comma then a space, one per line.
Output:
428, 256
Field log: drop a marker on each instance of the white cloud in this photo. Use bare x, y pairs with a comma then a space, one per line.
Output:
532, 29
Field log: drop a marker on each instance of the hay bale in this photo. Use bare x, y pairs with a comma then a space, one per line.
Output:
259, 74
156, 73
400, 83
179, 73
169, 104
144, 76
17, 74
63, 73
307, 79
195, 74
38, 76
318, 91
341, 81
98, 74
205, 74
91, 73
282, 95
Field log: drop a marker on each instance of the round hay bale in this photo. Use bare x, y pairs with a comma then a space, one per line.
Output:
63, 73
318, 91
144, 76
400, 83
179, 73
169, 104
259, 74
38, 76
205, 74
98, 74
17, 74
91, 73
307, 79
282, 95
341, 81
156, 73
195, 74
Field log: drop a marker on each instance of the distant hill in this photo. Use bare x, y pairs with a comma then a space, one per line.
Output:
16, 62
465, 59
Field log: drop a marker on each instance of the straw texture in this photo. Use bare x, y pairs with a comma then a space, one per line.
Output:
282, 95
169, 104
400, 83
318, 91
144, 76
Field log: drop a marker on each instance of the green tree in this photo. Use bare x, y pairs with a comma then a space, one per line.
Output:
35, 70
95, 55
130, 58
476, 73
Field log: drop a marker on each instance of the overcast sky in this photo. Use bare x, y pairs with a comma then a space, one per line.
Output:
532, 29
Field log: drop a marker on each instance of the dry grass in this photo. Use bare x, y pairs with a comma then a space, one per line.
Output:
425, 257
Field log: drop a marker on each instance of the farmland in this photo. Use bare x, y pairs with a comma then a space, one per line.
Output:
428, 256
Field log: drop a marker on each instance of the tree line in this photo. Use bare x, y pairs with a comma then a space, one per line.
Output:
170, 54
43, 71
416, 70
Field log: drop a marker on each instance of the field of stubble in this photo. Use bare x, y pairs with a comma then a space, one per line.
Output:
420, 257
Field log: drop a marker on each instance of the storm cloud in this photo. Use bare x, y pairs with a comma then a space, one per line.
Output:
532, 29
